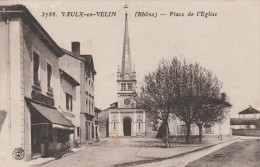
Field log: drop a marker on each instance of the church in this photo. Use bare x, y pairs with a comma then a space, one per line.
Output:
124, 118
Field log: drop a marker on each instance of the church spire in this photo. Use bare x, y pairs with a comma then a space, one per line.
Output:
126, 60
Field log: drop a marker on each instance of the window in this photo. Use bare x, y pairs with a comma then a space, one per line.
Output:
78, 131
123, 86
130, 86
114, 123
87, 105
49, 73
181, 129
207, 129
92, 108
139, 125
36, 68
68, 102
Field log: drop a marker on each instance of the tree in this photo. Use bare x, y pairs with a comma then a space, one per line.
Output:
212, 111
157, 94
185, 90
199, 98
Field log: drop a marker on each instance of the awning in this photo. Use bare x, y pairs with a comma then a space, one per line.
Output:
54, 116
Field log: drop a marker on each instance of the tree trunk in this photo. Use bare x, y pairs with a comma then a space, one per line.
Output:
200, 132
167, 140
188, 135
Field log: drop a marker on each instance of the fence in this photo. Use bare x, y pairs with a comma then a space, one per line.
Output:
246, 132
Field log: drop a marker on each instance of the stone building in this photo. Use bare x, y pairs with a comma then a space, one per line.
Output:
81, 68
30, 87
70, 103
178, 128
124, 118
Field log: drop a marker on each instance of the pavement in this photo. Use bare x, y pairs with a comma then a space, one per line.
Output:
127, 151
243, 153
40, 161
182, 161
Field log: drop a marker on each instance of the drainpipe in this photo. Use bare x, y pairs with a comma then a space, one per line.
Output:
8, 78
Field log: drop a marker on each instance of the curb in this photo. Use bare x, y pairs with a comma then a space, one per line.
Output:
42, 163
156, 159
65, 155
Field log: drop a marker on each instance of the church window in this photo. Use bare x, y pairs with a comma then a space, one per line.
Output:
123, 86
130, 86
114, 123
139, 125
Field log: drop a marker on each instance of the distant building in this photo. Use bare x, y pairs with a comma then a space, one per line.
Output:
248, 119
178, 128
124, 118
244, 123
81, 68
250, 112
96, 120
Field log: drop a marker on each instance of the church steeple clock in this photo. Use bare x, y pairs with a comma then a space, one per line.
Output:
126, 78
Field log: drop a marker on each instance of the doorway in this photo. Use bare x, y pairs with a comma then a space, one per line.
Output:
127, 127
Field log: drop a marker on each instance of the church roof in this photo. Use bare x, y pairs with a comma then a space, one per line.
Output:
126, 58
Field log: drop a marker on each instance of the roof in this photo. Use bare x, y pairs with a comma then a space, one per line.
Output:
68, 78
113, 105
20, 11
97, 110
72, 55
243, 121
2, 117
51, 114
249, 110
85, 58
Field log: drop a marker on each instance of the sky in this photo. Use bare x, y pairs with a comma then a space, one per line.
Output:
227, 44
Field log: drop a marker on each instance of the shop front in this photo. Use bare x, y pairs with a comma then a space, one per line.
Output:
50, 130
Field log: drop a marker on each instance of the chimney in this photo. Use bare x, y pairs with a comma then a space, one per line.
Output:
250, 107
223, 97
75, 48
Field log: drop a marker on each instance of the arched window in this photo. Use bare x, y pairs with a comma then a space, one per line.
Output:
139, 125
114, 125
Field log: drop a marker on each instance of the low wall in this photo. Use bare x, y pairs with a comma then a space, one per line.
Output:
246, 132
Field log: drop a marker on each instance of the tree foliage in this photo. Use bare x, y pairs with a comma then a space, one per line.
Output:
189, 91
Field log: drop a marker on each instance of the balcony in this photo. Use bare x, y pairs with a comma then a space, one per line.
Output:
49, 91
37, 85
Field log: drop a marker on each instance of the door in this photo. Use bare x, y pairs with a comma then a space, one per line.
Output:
127, 127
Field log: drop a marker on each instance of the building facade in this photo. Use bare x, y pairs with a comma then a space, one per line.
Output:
81, 68
70, 103
178, 128
30, 88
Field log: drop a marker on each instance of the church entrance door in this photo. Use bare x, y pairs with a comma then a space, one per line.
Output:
127, 127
